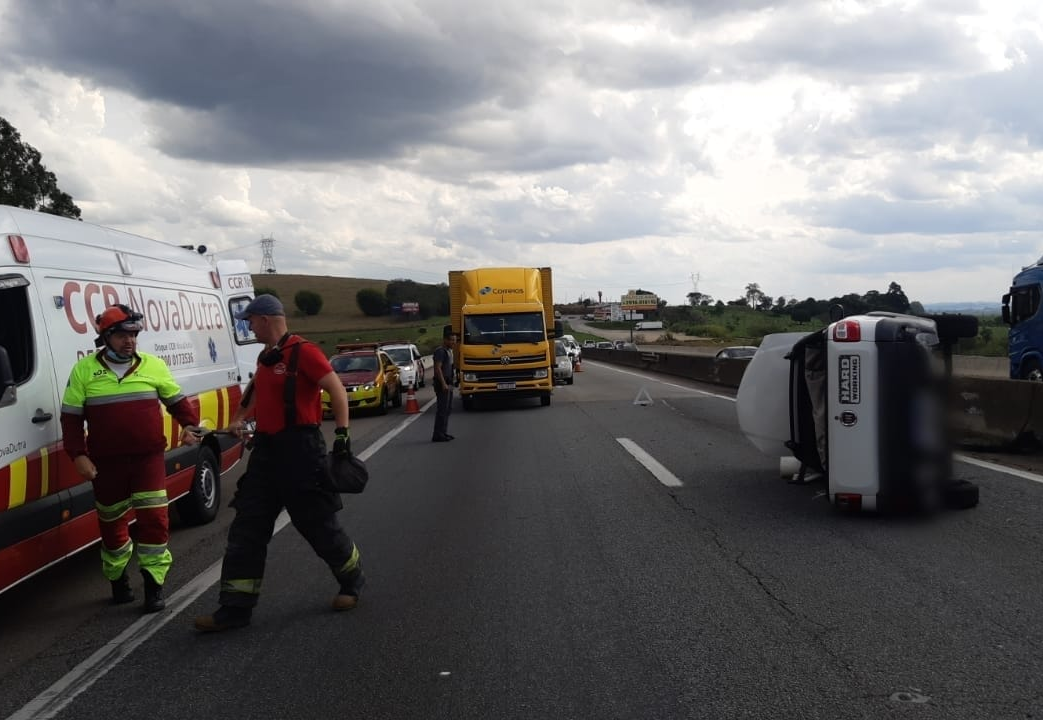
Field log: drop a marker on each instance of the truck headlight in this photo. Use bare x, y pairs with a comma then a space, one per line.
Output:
471, 377
540, 374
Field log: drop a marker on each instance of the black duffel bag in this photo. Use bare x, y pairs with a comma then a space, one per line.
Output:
347, 474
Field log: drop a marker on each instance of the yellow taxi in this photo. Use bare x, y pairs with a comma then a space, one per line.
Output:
370, 377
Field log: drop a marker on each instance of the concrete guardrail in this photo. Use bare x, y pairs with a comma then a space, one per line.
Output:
985, 411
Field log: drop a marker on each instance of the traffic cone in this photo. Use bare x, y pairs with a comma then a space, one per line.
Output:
412, 406
578, 366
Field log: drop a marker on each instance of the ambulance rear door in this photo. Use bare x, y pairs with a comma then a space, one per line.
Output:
30, 505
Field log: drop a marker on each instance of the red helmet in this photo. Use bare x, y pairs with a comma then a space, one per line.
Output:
118, 317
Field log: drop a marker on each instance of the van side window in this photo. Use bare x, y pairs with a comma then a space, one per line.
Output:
16, 330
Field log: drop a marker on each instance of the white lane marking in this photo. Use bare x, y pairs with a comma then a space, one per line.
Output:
653, 378
1023, 474
651, 464
55, 698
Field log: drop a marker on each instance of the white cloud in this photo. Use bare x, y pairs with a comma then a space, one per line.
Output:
816, 149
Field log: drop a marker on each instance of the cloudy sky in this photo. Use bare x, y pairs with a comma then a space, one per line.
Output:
815, 148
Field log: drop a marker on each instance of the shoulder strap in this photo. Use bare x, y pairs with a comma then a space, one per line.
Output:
289, 388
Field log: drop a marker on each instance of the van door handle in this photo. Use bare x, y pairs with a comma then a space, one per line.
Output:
41, 416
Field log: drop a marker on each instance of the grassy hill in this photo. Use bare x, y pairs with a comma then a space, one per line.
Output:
340, 319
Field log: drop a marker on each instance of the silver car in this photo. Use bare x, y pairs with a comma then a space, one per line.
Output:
562, 364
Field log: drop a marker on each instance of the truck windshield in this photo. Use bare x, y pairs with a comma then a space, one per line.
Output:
1024, 302
500, 329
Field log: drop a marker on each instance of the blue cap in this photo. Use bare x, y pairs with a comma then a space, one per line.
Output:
261, 305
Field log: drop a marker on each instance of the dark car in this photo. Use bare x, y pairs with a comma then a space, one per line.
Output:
736, 351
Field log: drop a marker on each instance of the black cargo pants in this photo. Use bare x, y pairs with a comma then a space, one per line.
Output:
285, 470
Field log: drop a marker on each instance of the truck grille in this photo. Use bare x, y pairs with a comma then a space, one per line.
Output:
498, 361
505, 375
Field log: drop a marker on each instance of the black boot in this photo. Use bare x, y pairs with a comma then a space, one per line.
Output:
153, 594
121, 590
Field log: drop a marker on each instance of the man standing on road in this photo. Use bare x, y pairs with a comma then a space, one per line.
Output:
115, 392
287, 468
443, 361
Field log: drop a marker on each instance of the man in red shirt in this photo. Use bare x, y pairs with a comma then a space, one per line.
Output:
287, 468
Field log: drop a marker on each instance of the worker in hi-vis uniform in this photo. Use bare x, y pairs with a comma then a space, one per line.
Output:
116, 393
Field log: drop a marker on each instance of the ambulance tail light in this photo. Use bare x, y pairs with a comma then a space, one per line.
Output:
19, 248
847, 331
848, 501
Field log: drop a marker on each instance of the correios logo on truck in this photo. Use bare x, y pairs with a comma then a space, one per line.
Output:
500, 291
172, 311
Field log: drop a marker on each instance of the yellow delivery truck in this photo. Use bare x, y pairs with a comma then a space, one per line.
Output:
505, 326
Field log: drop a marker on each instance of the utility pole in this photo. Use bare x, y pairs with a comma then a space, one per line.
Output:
268, 259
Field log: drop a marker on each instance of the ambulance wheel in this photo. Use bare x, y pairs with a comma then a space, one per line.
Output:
397, 400
203, 501
382, 408
961, 495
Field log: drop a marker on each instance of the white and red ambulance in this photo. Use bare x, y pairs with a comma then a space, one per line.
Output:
56, 275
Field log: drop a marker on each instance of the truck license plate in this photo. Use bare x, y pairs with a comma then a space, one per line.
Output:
505, 386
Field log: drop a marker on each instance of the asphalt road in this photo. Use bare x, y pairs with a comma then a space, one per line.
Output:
536, 568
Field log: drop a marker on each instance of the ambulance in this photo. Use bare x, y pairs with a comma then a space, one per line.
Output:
56, 275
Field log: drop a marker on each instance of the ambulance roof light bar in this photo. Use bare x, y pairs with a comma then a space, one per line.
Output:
847, 331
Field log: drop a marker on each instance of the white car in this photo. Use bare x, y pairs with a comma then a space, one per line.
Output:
563, 371
410, 363
572, 347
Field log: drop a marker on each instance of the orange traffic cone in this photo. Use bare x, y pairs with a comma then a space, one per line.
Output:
412, 406
578, 366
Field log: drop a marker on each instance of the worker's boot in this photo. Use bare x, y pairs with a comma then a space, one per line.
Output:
226, 618
153, 594
350, 589
121, 590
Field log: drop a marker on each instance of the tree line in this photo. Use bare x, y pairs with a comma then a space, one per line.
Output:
892, 300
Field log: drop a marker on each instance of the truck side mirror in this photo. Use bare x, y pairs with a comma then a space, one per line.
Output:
8, 387
559, 328
1005, 310
836, 312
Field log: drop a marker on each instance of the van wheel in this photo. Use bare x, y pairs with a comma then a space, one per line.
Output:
397, 400
545, 400
954, 326
960, 495
382, 408
203, 501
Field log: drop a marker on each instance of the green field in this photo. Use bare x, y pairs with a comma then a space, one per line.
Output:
341, 321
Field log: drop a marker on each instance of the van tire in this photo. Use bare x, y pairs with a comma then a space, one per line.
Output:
545, 400
382, 408
955, 326
397, 400
960, 495
203, 500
